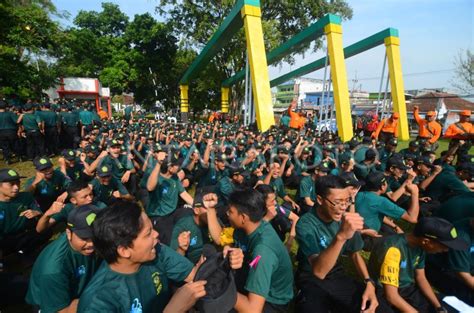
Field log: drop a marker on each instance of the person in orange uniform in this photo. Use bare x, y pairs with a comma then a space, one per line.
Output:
297, 120
461, 133
387, 128
429, 129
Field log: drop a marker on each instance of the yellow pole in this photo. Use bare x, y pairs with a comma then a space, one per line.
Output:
392, 46
184, 102
339, 81
258, 66
225, 99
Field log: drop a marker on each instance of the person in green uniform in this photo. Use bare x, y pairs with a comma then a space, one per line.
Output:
273, 178
228, 184
80, 194
165, 187
306, 194
398, 264
47, 184
452, 273
63, 269
70, 122
52, 125
18, 215
268, 268
86, 118
364, 169
375, 209
386, 153
190, 233
138, 268
443, 183
108, 189
71, 167
413, 150
33, 126
128, 113
323, 235
122, 167
8, 131
457, 207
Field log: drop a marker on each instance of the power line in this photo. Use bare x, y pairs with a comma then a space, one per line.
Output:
413, 74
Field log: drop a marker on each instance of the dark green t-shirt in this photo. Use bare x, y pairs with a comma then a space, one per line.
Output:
10, 220
458, 207
103, 193
69, 119
446, 184
47, 191
198, 237
50, 118
164, 199
394, 262
270, 272
279, 187
59, 276
8, 120
30, 122
314, 236
119, 165
306, 189
145, 291
373, 208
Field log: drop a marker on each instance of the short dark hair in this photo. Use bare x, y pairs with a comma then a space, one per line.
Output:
115, 226
324, 183
265, 190
76, 186
250, 202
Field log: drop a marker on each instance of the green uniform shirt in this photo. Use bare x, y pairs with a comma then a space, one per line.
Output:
306, 189
373, 208
211, 176
394, 262
444, 185
145, 291
359, 154
224, 188
314, 236
47, 191
30, 122
59, 276
198, 237
8, 120
75, 172
50, 118
86, 117
270, 272
10, 220
118, 165
458, 207
279, 187
69, 119
164, 199
128, 112
103, 193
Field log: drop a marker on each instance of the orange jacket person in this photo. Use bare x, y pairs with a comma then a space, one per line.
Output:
296, 120
428, 128
387, 128
462, 129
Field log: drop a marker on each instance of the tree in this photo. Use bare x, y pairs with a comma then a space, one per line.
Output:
28, 43
464, 80
196, 21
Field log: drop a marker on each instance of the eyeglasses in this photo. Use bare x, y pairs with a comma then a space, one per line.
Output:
341, 204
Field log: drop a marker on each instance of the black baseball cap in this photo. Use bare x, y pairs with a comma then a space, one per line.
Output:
9, 175
392, 142
198, 200
235, 171
221, 291
425, 160
221, 157
375, 180
323, 167
283, 150
113, 142
414, 143
397, 163
80, 219
42, 163
370, 154
351, 180
104, 170
69, 154
440, 230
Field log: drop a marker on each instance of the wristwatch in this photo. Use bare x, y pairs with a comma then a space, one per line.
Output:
369, 280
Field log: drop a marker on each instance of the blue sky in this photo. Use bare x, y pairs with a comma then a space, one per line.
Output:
432, 32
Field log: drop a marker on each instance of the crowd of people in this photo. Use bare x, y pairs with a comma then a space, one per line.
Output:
153, 216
